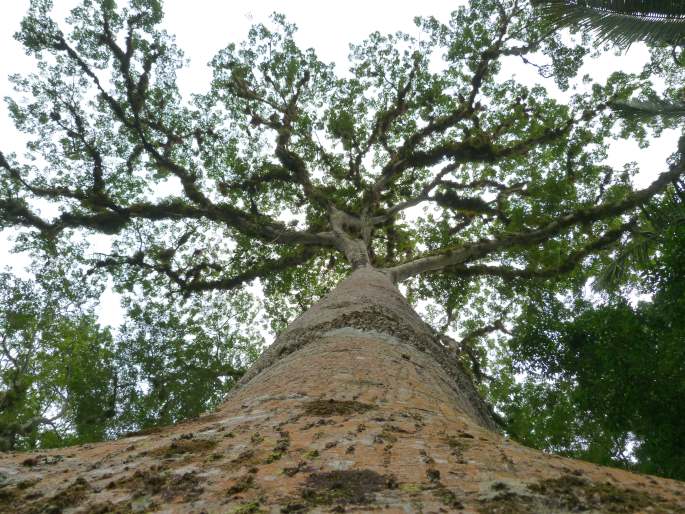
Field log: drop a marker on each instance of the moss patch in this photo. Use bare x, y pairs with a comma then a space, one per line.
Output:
247, 508
280, 448
27, 484
447, 497
508, 503
142, 482
343, 487
458, 444
72, 496
291, 472
181, 446
243, 483
186, 486
157, 481
571, 493
576, 493
327, 408
245, 458
8, 497
111, 508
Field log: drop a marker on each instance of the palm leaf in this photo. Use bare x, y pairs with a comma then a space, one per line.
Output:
636, 251
621, 21
647, 109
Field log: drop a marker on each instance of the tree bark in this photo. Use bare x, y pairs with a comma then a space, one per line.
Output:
356, 407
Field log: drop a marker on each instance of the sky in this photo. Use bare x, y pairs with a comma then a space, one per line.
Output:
202, 27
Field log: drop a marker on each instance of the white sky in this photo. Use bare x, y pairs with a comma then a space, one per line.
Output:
202, 27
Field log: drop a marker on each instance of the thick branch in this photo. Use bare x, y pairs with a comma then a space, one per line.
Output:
472, 251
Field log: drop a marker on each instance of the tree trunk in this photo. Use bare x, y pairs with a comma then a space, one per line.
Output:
355, 407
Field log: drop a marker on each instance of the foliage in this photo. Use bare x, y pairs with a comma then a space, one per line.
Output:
620, 21
600, 382
66, 380
57, 366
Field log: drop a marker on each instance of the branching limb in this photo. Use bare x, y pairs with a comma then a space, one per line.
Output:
406, 156
190, 280
416, 200
473, 251
565, 266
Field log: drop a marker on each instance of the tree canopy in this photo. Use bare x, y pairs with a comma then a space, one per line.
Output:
422, 159
601, 381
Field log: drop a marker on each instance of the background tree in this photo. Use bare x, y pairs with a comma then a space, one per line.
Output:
66, 380
596, 371
600, 380
58, 368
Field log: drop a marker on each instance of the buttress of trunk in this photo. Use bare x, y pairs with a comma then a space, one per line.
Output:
354, 408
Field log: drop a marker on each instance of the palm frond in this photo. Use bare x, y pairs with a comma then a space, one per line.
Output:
636, 251
647, 109
621, 21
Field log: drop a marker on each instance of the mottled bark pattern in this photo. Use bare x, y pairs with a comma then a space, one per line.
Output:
354, 408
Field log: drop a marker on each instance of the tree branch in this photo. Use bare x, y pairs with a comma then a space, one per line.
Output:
472, 251
190, 281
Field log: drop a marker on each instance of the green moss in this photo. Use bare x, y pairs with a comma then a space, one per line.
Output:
293, 507
411, 488
142, 482
343, 487
26, 484
295, 469
327, 408
447, 497
508, 503
72, 496
246, 457
386, 436
433, 475
111, 508
181, 446
571, 493
243, 483
280, 449
248, 508
574, 493
8, 497
311, 454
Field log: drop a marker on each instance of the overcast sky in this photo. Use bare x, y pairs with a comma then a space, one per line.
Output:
204, 26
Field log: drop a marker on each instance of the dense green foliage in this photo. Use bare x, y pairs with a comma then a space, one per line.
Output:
66, 380
604, 381
422, 158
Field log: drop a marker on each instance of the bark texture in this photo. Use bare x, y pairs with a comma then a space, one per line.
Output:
354, 408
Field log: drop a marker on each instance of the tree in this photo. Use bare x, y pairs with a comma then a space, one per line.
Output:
65, 380
285, 171
600, 380
42, 393
622, 23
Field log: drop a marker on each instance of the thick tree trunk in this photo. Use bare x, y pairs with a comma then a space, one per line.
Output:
355, 407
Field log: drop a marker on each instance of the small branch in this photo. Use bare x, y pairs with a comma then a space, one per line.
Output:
189, 280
